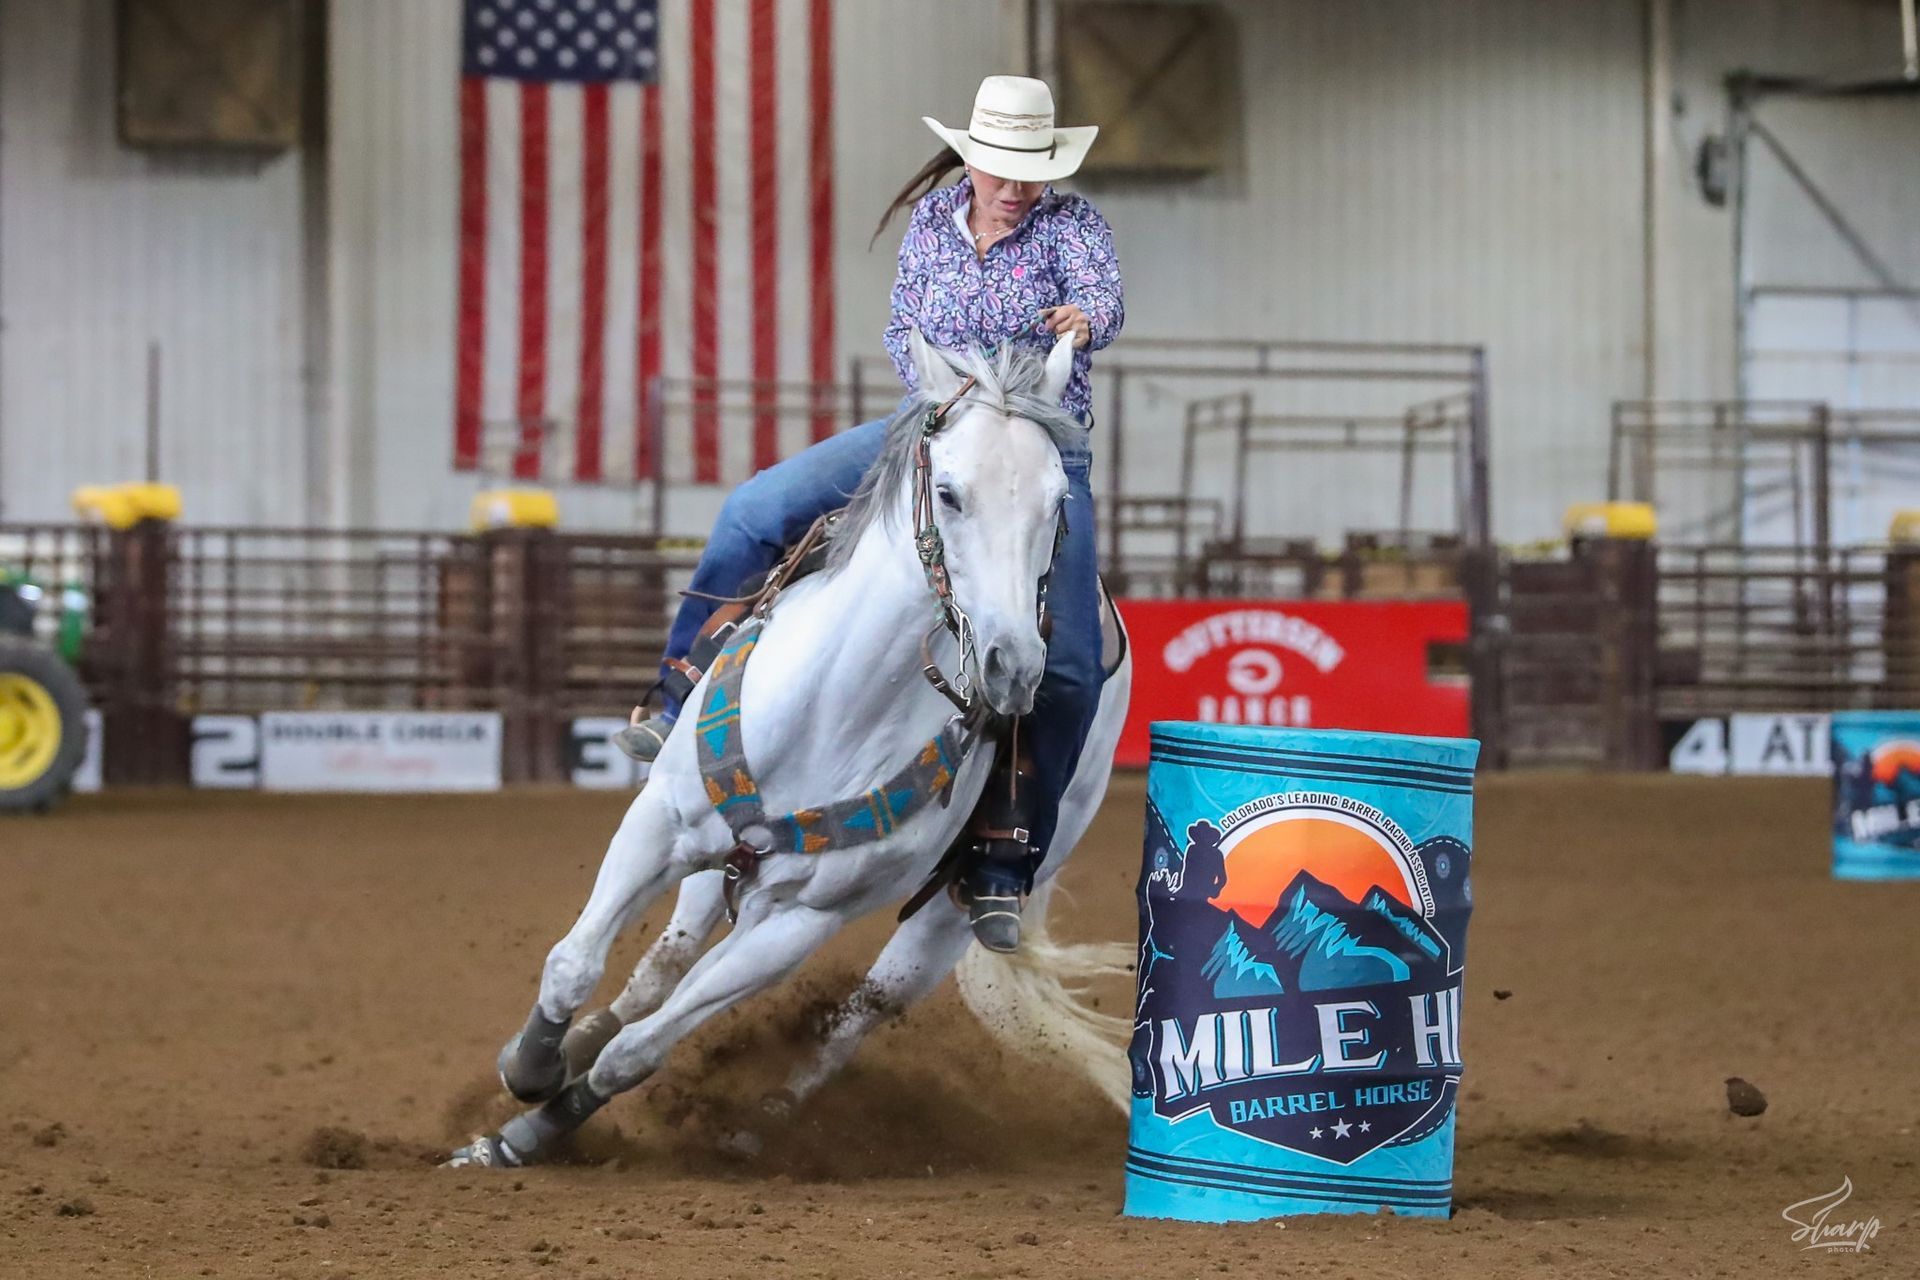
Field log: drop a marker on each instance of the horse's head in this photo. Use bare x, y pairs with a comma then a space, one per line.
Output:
997, 490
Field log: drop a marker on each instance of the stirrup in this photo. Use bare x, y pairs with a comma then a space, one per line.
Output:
643, 740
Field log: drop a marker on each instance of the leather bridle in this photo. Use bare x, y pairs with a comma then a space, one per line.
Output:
932, 550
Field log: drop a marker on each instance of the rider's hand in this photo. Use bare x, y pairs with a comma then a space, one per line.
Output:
1068, 318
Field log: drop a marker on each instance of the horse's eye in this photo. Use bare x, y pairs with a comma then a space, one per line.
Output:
949, 499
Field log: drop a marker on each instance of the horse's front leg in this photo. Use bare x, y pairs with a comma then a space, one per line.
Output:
769, 943
924, 950
637, 869
919, 956
696, 913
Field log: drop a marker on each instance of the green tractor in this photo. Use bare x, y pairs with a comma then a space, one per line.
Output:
43, 705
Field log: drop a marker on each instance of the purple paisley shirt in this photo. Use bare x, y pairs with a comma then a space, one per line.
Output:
1062, 251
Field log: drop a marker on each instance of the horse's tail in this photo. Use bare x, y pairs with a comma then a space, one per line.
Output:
1033, 1001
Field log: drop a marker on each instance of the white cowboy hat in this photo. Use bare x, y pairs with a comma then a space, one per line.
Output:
1012, 134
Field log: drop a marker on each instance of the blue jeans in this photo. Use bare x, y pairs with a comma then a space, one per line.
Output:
768, 513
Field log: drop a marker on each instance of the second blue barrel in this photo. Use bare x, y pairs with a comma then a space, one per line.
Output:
1303, 916
1876, 795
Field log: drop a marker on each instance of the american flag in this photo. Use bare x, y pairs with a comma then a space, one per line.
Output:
646, 199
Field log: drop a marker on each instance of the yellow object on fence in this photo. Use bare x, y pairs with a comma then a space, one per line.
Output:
1633, 520
514, 509
121, 506
1905, 529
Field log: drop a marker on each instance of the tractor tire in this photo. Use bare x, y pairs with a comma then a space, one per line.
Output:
43, 727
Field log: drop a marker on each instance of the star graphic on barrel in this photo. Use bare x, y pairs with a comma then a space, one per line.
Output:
1316, 1132
1365, 1125
1341, 1128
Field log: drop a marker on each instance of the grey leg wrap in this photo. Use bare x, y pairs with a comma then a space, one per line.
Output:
531, 1065
532, 1134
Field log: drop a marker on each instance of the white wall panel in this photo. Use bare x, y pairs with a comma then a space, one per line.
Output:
1459, 172
104, 250
393, 183
1854, 350
1865, 148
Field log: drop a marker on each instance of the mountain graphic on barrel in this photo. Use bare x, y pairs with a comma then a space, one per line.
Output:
1316, 905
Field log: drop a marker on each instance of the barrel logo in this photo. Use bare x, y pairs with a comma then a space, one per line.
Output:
1896, 761
1312, 1004
1879, 796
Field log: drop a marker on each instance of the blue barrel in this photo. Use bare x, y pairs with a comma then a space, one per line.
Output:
1876, 795
1303, 925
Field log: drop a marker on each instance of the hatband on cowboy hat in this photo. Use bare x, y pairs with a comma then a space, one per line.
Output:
1012, 135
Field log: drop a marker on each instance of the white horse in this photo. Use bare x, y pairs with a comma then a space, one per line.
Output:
833, 703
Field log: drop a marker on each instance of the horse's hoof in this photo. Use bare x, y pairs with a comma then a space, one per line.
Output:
586, 1038
485, 1152
531, 1082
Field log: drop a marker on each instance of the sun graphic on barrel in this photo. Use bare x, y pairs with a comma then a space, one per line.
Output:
1891, 759
1264, 858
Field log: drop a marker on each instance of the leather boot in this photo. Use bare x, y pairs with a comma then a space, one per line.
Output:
997, 871
642, 739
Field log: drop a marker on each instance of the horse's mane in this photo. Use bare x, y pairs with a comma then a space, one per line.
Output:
1009, 379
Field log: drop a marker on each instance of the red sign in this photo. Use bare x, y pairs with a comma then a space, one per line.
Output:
1322, 664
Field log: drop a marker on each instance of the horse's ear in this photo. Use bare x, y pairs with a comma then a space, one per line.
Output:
936, 377
1059, 369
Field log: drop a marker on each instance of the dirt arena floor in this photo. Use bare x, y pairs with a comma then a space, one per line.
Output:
210, 1004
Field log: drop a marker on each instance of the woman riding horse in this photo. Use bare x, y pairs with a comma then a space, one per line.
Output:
997, 257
